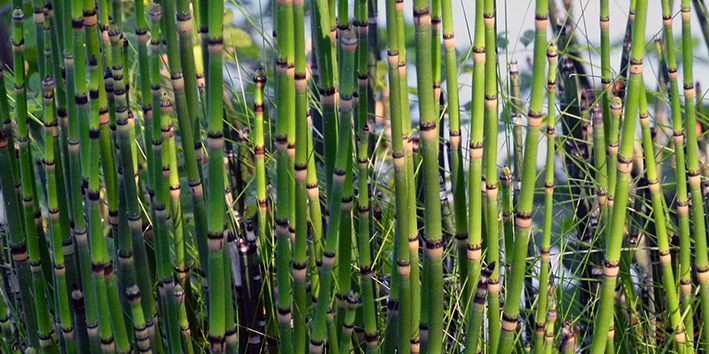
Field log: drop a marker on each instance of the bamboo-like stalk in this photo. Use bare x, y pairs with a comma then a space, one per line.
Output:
542, 295
433, 255
349, 45
188, 136
492, 223
78, 150
568, 336
516, 106
606, 82
549, 328
215, 198
698, 220
300, 256
54, 184
456, 162
139, 324
477, 313
685, 270
476, 154
658, 202
260, 154
523, 217
344, 252
44, 323
97, 244
612, 255
324, 43
17, 243
285, 99
366, 268
393, 324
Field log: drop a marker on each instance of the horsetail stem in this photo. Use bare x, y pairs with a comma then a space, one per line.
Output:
668, 279
698, 220
523, 217
543, 309
680, 175
612, 256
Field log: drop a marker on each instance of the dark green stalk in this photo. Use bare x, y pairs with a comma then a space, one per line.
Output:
507, 217
17, 242
516, 107
349, 45
166, 282
44, 320
523, 217
189, 70
477, 314
97, 243
544, 286
78, 150
323, 43
51, 142
604, 315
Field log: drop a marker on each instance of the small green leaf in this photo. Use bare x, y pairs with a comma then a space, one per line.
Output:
527, 37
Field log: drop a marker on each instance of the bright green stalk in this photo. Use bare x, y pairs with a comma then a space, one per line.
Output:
491, 122
476, 154
192, 146
605, 22
140, 329
549, 329
433, 257
44, 321
300, 248
702, 259
516, 107
184, 324
260, 154
285, 98
316, 248
616, 110
343, 283
523, 217
542, 297
401, 254
685, 271
457, 175
604, 315
349, 46
658, 202
215, 196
